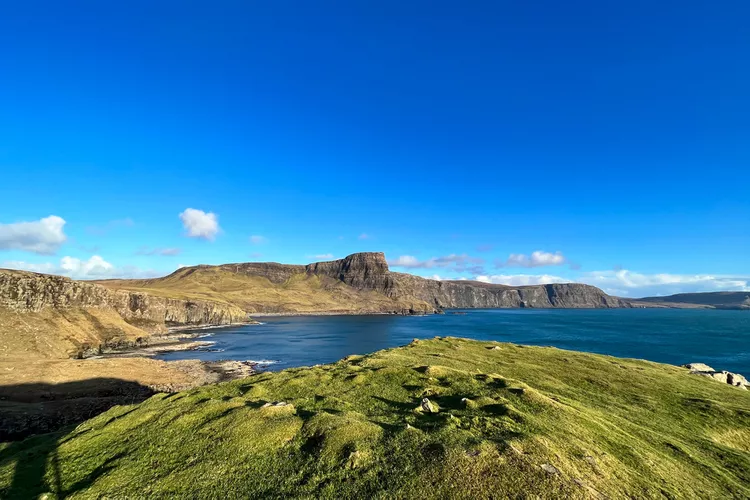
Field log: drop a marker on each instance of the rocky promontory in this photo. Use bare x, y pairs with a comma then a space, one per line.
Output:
370, 272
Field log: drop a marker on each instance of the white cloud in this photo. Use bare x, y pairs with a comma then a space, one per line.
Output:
42, 267
537, 259
405, 261
633, 284
257, 239
522, 279
200, 224
43, 236
365, 236
93, 268
321, 256
446, 261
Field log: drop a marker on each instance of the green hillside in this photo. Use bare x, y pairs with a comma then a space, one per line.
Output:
501, 420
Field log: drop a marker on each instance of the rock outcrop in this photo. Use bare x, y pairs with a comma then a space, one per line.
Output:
369, 272
725, 377
44, 316
31, 292
474, 294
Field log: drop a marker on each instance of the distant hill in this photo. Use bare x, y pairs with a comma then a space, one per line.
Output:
357, 284
717, 300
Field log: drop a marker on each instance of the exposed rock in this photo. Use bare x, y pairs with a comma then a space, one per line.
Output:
54, 316
31, 292
698, 367
428, 406
474, 294
725, 377
369, 272
276, 404
551, 469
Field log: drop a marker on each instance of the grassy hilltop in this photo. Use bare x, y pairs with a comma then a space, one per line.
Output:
502, 420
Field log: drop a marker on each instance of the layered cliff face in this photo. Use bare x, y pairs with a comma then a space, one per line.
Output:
52, 316
472, 294
364, 271
31, 292
359, 283
369, 271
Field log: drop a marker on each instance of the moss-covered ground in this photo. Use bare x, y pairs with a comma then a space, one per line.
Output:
512, 421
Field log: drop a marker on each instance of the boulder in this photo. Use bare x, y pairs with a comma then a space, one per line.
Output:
725, 377
428, 406
550, 469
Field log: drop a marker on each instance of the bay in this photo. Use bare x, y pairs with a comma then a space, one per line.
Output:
720, 338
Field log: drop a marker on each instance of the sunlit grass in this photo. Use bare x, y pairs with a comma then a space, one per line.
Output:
515, 420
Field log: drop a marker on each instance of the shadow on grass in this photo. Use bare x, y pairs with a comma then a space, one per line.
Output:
28, 409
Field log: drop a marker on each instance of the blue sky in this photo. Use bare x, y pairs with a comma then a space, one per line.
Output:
613, 140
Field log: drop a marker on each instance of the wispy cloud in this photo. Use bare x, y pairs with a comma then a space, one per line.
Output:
165, 252
453, 262
43, 237
365, 236
521, 279
634, 284
537, 259
485, 248
321, 256
200, 224
257, 239
109, 226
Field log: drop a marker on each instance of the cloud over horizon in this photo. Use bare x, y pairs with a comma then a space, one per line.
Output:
454, 262
94, 267
200, 224
632, 284
538, 258
43, 237
321, 256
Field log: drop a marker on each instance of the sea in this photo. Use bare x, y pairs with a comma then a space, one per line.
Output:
719, 338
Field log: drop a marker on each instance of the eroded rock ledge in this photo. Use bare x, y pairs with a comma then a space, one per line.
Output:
369, 271
31, 292
725, 377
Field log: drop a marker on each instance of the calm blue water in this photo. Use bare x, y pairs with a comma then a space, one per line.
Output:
718, 338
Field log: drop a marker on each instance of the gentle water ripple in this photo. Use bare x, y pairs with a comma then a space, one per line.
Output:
718, 338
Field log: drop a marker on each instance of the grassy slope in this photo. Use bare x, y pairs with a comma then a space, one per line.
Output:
610, 426
301, 293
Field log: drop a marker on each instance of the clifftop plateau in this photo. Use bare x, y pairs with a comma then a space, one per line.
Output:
359, 283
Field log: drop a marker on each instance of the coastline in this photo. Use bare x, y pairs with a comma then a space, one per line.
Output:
190, 328
332, 313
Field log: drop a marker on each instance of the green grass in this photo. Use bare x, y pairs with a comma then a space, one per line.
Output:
611, 427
